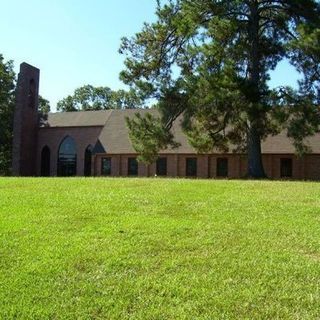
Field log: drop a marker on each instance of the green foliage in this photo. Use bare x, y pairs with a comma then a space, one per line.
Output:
44, 105
151, 134
299, 115
7, 86
216, 57
89, 98
159, 249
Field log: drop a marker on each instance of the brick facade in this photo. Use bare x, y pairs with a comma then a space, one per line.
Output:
107, 134
302, 168
52, 138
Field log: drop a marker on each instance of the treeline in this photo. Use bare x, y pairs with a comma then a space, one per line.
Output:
89, 98
7, 89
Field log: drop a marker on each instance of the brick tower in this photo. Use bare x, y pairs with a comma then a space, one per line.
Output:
25, 126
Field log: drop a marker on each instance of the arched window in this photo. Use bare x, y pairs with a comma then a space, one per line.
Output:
87, 161
45, 162
67, 158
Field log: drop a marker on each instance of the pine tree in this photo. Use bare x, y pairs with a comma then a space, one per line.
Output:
210, 61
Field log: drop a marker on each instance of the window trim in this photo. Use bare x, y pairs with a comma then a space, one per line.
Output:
60, 173
166, 166
218, 174
195, 173
102, 172
128, 167
87, 161
284, 176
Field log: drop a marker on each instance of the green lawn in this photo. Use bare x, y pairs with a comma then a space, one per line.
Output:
159, 249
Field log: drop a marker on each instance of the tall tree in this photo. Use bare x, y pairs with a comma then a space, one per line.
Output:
88, 98
7, 86
210, 61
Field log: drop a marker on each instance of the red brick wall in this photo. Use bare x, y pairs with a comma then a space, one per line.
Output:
302, 168
312, 167
52, 137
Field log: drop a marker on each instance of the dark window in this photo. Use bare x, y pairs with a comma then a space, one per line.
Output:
161, 166
87, 161
132, 167
222, 167
45, 162
67, 158
32, 94
106, 166
191, 167
286, 168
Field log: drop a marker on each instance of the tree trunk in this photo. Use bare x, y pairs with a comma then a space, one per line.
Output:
255, 166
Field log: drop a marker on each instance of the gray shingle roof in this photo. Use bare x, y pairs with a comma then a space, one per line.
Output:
114, 138
77, 119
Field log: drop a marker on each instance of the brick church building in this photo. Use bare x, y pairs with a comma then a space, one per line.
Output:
96, 143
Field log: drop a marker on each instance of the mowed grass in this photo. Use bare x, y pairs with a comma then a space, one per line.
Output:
159, 249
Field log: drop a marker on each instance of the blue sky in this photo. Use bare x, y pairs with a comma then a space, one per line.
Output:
76, 42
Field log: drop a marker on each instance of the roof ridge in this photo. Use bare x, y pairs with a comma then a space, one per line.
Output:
79, 111
108, 117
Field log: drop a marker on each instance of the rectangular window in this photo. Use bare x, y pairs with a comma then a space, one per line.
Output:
106, 166
161, 167
191, 167
132, 167
222, 167
286, 168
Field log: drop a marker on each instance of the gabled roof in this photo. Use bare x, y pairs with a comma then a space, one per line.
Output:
114, 137
282, 144
76, 119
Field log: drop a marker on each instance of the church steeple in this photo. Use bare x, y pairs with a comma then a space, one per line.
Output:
25, 127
